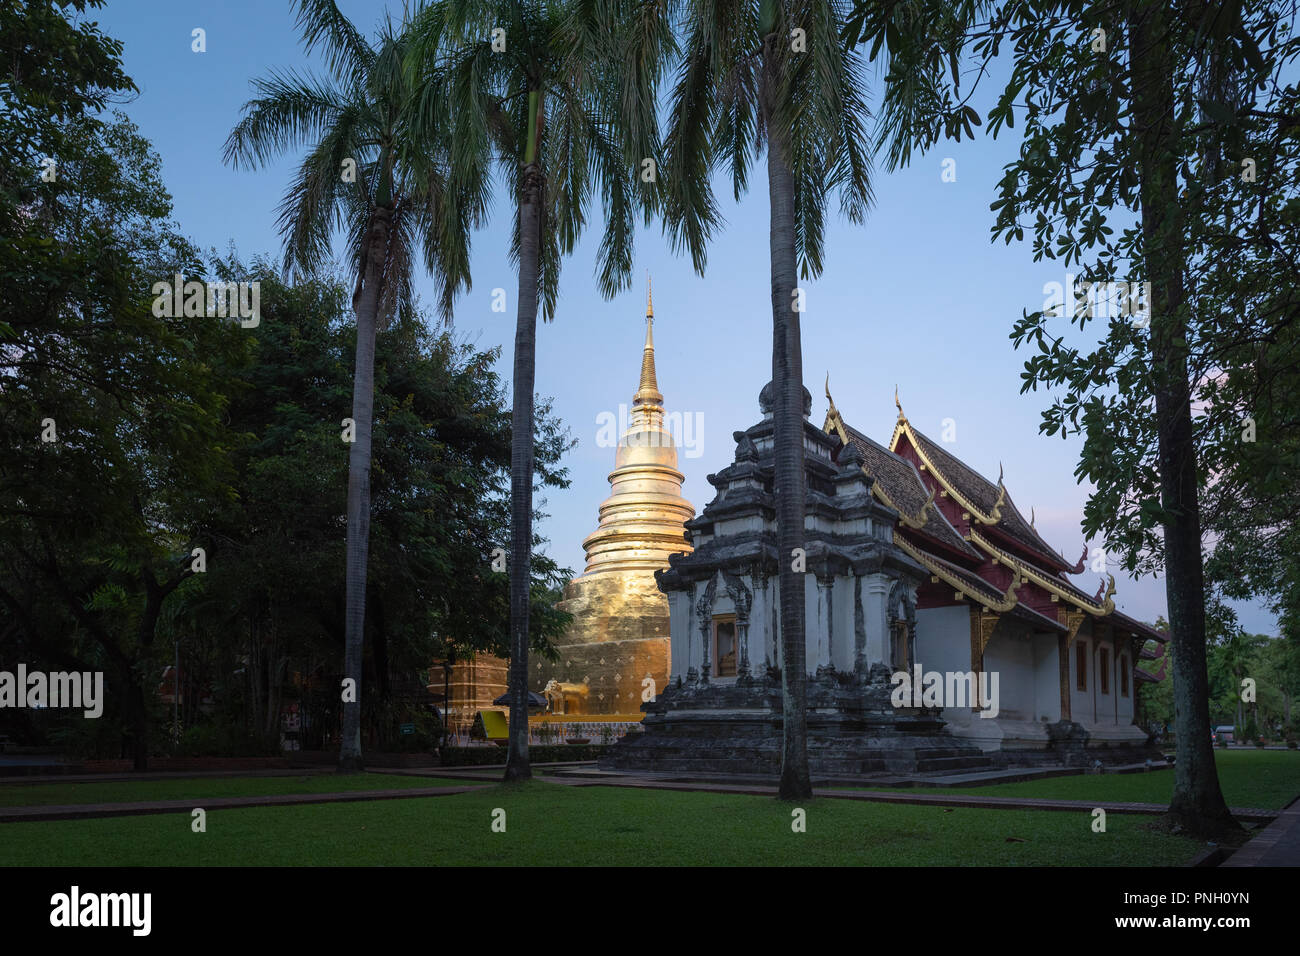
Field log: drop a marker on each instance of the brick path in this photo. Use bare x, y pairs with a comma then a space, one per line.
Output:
1278, 845
84, 811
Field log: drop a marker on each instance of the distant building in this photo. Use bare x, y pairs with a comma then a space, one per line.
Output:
469, 685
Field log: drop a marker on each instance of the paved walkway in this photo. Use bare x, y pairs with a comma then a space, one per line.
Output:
1278, 845
85, 811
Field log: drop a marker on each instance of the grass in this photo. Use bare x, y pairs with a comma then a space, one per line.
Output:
197, 788
1267, 779
549, 824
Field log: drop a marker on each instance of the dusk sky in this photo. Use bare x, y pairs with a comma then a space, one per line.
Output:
918, 297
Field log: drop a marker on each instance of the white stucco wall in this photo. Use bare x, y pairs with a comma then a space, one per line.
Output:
1010, 655
943, 638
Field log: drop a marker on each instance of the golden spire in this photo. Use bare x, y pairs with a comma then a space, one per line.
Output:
649, 299
641, 522
647, 392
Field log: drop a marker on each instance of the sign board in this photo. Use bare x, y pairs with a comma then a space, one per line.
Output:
407, 729
495, 726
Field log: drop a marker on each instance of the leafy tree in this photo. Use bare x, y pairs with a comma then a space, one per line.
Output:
368, 174
1136, 114
533, 88
112, 415
440, 465
53, 70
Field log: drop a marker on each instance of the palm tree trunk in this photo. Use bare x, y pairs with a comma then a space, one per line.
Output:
521, 470
365, 305
787, 416
1197, 803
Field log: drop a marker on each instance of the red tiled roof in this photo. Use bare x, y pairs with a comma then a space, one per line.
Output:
902, 484
984, 495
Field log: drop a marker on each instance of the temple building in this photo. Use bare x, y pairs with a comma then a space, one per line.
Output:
616, 648
915, 565
998, 598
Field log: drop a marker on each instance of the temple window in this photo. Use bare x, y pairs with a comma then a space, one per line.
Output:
1081, 665
724, 645
1103, 670
1123, 676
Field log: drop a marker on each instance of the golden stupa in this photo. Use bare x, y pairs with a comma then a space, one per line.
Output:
619, 633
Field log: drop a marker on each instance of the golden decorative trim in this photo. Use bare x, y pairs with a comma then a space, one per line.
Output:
1044, 581
991, 517
834, 424
903, 516
988, 622
1073, 620
1007, 602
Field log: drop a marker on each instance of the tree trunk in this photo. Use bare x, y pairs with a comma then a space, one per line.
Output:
521, 470
365, 305
1197, 802
787, 416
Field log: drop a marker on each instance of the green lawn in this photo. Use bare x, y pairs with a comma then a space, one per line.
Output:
1269, 779
551, 824
196, 788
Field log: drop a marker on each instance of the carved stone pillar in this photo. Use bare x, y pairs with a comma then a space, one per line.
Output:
826, 598
860, 667
705, 610
743, 602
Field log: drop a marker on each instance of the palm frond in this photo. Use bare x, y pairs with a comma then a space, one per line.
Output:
323, 26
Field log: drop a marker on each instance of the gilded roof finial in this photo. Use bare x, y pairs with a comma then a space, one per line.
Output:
996, 513
828, 394
648, 390
899, 405
1031, 516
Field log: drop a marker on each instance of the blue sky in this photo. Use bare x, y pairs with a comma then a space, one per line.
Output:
917, 297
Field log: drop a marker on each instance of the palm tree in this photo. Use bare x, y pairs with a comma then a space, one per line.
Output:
536, 89
368, 177
774, 74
